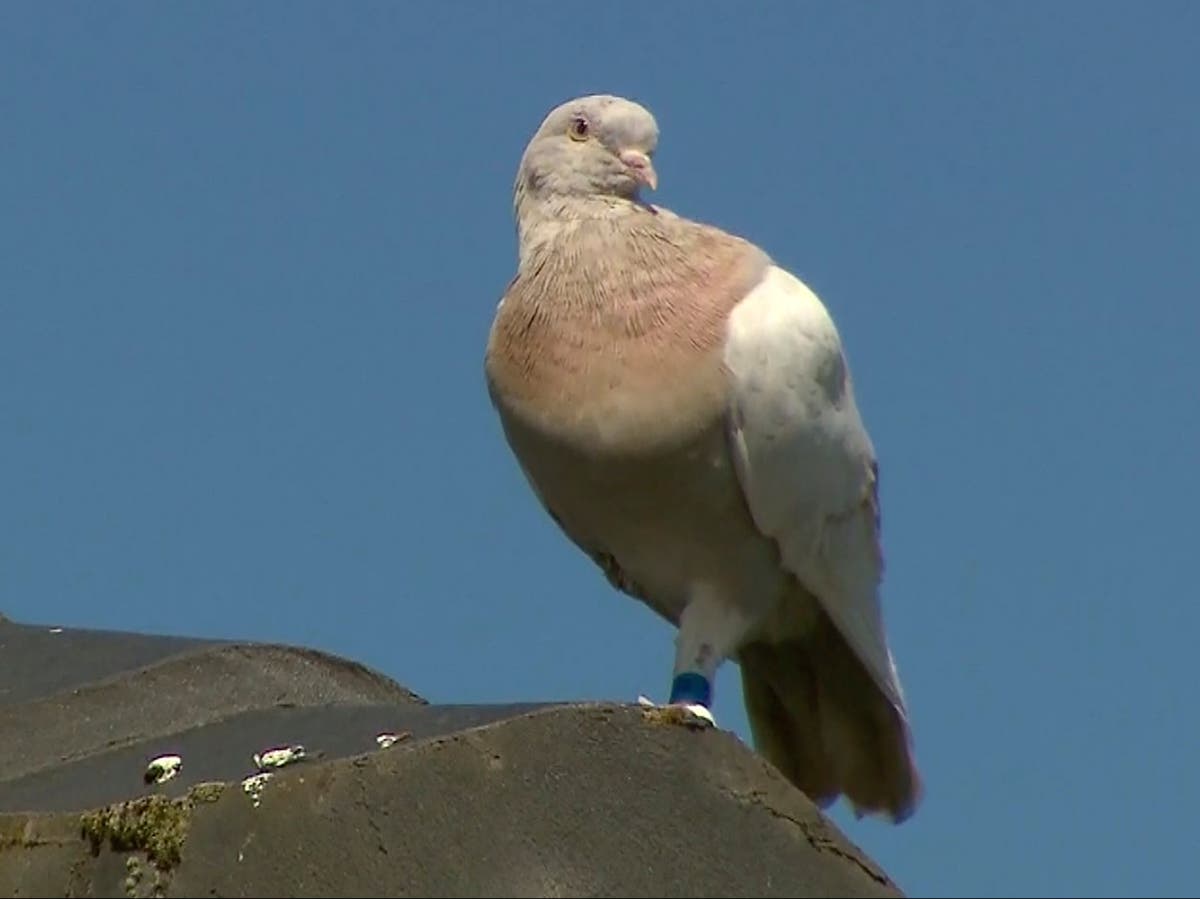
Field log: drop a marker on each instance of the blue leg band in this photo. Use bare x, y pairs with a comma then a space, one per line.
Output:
692, 689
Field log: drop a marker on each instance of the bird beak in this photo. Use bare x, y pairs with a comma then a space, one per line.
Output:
640, 167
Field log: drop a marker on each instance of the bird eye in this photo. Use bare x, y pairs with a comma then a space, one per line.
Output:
578, 128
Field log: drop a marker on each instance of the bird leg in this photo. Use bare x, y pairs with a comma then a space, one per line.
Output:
710, 628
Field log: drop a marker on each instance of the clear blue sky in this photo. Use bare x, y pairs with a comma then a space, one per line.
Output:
249, 254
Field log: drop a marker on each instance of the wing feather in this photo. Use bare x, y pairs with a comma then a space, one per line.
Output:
806, 462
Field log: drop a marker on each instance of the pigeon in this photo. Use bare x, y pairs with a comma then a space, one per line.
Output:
682, 407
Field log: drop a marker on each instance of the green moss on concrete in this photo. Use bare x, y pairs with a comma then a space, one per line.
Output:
12, 831
133, 879
29, 830
154, 825
209, 791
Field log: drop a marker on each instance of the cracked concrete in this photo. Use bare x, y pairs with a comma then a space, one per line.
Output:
534, 800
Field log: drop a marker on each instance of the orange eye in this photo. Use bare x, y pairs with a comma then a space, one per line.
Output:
578, 128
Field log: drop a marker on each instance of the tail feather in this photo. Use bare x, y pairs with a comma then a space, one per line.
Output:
783, 722
817, 715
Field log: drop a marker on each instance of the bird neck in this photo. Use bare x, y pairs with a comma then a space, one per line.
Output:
544, 219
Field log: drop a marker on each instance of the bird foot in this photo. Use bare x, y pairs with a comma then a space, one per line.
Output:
682, 714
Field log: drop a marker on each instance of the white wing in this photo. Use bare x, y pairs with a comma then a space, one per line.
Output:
805, 461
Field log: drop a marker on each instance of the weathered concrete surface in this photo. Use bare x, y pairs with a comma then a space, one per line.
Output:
530, 800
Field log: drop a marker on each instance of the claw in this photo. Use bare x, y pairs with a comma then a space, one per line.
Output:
680, 714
